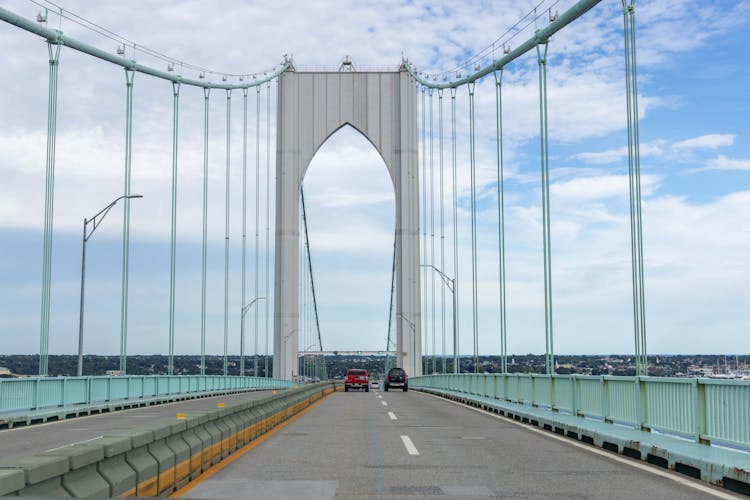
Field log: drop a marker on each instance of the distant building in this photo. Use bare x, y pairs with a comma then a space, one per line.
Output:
113, 373
4, 371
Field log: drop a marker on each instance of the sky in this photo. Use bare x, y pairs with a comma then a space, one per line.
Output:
694, 99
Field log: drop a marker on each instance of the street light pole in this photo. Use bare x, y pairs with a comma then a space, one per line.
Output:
95, 221
245, 309
451, 284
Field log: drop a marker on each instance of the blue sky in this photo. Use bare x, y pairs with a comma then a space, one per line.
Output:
694, 87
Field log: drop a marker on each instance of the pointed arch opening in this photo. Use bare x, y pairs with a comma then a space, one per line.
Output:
351, 214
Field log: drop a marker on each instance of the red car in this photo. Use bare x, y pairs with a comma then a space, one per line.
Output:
356, 379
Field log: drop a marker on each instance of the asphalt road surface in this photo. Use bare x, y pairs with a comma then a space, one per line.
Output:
24, 441
412, 445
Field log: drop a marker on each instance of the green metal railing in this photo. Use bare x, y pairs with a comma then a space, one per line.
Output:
24, 394
705, 410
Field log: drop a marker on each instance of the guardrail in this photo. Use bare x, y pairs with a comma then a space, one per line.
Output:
28, 394
704, 410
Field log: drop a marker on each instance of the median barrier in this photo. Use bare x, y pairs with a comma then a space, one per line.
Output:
42, 475
195, 447
11, 481
154, 460
120, 476
83, 479
164, 457
181, 451
140, 460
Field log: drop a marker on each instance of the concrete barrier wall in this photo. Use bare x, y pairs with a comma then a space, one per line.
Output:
158, 459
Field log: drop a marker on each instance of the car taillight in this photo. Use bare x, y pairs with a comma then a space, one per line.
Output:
387, 378
406, 377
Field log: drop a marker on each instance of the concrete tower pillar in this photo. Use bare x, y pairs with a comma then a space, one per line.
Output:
312, 106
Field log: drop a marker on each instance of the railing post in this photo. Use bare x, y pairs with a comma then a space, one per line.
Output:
574, 395
109, 388
605, 399
36, 393
532, 396
699, 411
552, 393
641, 404
62, 395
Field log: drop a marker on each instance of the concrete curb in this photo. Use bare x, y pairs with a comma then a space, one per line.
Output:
155, 460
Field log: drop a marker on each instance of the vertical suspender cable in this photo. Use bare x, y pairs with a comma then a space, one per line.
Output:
473, 168
390, 308
226, 238
442, 222
244, 232
501, 221
206, 93
268, 217
257, 221
129, 75
432, 238
424, 233
633, 252
456, 356
634, 175
53, 50
637, 163
310, 271
549, 347
173, 229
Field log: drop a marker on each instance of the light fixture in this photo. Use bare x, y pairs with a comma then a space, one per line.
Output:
553, 17
506, 50
242, 78
458, 74
120, 50
224, 78
170, 67
201, 75
477, 66
41, 18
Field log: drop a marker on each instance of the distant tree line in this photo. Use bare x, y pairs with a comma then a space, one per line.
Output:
336, 366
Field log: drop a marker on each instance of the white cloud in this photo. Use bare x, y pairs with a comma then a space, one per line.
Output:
660, 149
710, 141
588, 189
721, 162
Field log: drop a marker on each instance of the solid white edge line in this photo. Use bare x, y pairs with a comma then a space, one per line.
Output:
410, 448
676, 477
73, 444
392, 415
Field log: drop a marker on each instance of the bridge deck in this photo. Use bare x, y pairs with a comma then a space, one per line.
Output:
25, 441
350, 446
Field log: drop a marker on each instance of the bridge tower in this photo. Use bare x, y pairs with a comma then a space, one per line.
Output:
312, 106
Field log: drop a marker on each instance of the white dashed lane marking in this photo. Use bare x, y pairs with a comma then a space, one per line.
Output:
410, 448
392, 415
